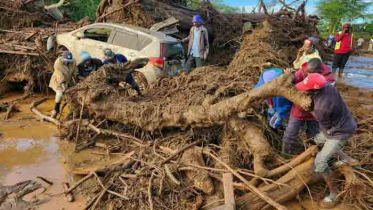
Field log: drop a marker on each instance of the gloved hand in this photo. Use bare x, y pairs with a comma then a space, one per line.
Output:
275, 121
270, 113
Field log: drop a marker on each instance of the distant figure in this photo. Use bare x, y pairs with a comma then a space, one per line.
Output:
88, 64
307, 52
198, 47
279, 107
64, 73
330, 40
370, 48
360, 43
343, 48
115, 59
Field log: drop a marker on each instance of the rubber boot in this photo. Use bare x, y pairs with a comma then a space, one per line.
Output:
55, 110
286, 150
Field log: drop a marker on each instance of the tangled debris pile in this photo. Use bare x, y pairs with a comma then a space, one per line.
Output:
177, 140
196, 133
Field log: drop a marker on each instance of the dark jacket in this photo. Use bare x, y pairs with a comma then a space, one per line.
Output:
84, 71
331, 112
120, 59
296, 111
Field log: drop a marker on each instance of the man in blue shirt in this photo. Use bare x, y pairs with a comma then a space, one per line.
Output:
115, 59
279, 107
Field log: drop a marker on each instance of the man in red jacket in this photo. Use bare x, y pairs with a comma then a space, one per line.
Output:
298, 116
343, 48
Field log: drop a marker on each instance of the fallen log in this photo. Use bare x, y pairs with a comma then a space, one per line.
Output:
200, 179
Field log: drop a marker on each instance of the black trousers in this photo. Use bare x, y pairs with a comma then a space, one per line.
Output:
340, 60
130, 80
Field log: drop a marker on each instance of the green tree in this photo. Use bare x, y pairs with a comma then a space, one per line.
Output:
217, 4
336, 11
243, 9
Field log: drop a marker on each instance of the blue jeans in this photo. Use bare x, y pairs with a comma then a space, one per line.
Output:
294, 126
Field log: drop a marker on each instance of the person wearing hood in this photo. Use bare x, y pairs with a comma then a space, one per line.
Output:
307, 52
63, 76
116, 59
198, 47
298, 116
279, 107
88, 64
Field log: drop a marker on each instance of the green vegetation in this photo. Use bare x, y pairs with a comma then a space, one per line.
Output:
83, 8
336, 11
218, 4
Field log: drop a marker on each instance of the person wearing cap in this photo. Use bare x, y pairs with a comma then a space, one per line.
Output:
343, 48
116, 59
64, 73
298, 116
307, 52
337, 126
279, 107
88, 64
198, 47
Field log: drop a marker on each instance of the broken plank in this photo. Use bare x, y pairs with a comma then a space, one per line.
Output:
228, 191
18, 53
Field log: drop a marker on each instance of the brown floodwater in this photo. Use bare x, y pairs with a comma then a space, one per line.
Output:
29, 148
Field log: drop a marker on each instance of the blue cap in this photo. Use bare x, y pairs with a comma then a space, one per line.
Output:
197, 19
84, 55
67, 56
269, 75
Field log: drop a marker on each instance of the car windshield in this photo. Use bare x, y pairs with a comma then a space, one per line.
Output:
173, 50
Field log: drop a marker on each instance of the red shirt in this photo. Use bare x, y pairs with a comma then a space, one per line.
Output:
296, 111
345, 43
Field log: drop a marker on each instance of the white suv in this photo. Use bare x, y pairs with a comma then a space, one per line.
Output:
166, 55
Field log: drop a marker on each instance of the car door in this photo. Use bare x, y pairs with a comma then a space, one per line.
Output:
95, 39
126, 43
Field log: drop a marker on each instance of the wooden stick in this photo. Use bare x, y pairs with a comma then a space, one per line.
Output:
79, 123
228, 191
98, 199
69, 197
150, 191
45, 180
91, 202
41, 115
11, 108
117, 194
180, 151
169, 173
18, 53
253, 189
79, 183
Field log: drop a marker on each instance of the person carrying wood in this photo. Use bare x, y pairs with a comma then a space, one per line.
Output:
298, 116
115, 59
307, 52
198, 47
337, 126
279, 107
64, 73
88, 64
343, 48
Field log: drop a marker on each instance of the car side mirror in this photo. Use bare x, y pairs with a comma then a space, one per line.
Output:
80, 35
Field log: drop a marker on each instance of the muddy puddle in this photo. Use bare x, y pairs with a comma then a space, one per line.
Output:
359, 72
29, 149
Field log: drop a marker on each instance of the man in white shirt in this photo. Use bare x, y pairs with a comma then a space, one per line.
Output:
198, 47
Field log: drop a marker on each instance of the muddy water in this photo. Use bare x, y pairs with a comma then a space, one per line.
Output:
28, 149
359, 72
